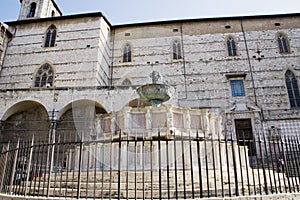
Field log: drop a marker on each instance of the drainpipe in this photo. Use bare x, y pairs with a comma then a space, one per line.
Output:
112, 58
251, 73
249, 62
183, 57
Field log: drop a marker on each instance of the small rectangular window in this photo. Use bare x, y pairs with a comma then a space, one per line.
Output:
277, 24
237, 88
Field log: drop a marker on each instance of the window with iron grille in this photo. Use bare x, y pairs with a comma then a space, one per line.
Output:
237, 88
292, 88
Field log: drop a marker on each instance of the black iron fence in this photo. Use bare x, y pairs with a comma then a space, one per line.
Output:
157, 167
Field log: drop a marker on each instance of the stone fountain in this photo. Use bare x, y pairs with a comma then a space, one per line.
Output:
155, 93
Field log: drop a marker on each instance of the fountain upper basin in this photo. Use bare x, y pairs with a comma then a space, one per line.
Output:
155, 93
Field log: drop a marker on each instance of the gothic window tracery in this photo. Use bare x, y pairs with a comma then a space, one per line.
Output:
50, 36
231, 47
44, 76
283, 44
127, 53
177, 50
292, 88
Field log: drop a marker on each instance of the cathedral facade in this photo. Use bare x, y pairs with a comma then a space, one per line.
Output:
244, 71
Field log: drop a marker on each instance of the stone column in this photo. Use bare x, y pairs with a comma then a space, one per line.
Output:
148, 116
51, 140
52, 131
53, 125
126, 119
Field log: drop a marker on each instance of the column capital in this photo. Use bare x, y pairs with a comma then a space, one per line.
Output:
53, 115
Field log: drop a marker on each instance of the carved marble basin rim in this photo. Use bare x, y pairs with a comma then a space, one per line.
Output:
155, 93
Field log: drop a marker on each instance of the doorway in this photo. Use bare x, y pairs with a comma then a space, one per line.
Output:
244, 135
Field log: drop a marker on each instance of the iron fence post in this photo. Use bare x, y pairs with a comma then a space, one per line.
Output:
119, 166
221, 165
183, 165
5, 152
29, 165
14, 166
159, 165
191, 165
79, 170
233, 144
286, 168
199, 164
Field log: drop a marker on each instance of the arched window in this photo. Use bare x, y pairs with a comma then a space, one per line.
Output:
44, 76
127, 53
126, 82
176, 50
283, 44
50, 36
32, 10
292, 88
231, 46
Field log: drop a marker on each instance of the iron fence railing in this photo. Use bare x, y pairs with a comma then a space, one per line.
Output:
160, 167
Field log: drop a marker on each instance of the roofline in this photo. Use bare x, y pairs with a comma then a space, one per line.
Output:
56, 6
99, 14
35, 20
207, 19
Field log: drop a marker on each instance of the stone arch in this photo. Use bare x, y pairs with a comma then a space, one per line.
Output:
23, 120
77, 120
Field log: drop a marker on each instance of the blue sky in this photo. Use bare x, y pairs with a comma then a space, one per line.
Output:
130, 11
